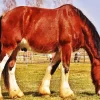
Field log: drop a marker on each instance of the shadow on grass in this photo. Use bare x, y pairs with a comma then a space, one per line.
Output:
37, 94
34, 94
6, 96
87, 93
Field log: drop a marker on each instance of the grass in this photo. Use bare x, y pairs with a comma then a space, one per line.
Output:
29, 77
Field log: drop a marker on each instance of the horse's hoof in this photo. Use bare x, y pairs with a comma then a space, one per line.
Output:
1, 98
16, 94
44, 91
20, 94
98, 93
66, 93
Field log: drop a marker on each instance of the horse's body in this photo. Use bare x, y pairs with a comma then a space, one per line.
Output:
61, 30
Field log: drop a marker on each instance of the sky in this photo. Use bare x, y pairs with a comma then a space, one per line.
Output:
91, 8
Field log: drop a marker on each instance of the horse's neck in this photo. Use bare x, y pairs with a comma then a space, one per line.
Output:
90, 45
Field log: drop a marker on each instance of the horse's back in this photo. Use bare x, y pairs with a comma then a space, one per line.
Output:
37, 25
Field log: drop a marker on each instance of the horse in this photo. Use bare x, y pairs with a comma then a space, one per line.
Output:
62, 31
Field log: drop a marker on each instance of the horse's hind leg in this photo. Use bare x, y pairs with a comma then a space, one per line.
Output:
14, 90
45, 85
3, 59
65, 90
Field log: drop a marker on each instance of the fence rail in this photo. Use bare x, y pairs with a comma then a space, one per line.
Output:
30, 57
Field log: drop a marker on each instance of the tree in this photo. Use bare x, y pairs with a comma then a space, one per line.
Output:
29, 2
61, 2
36, 3
39, 2
8, 4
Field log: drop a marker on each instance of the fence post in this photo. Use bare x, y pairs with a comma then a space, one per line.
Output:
84, 56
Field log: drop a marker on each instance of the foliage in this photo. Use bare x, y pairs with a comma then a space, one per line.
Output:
39, 3
9, 4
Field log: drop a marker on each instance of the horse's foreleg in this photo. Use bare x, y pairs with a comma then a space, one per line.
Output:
45, 85
65, 90
14, 90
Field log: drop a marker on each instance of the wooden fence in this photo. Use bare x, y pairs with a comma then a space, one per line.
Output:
84, 58
30, 57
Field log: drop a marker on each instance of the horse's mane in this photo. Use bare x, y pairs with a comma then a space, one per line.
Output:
94, 32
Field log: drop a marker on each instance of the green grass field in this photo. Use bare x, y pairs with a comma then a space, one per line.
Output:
29, 77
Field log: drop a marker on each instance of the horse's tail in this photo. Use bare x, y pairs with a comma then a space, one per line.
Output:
0, 33
6, 75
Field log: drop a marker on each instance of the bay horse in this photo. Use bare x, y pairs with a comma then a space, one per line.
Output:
61, 30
